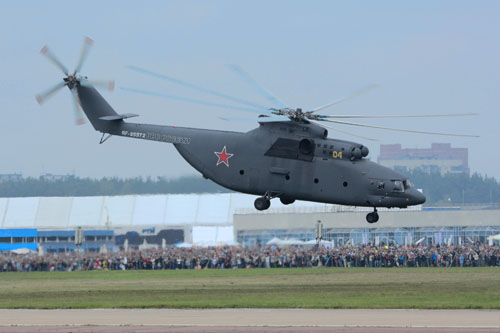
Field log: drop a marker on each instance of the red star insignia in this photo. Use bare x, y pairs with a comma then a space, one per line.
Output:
223, 156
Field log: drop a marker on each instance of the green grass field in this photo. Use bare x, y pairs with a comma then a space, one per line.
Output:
437, 288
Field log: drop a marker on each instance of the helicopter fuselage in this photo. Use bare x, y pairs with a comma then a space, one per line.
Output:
293, 160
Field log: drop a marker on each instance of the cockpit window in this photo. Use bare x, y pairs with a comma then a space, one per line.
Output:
407, 184
380, 185
398, 186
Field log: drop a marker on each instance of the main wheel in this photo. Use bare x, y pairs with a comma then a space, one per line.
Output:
287, 200
372, 217
262, 203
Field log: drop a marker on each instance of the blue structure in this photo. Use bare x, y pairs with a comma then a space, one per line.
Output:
64, 240
13, 239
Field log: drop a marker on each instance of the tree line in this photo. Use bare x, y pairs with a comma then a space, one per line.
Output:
75, 186
449, 189
455, 189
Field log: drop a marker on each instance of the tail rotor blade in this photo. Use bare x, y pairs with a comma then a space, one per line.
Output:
79, 116
46, 52
41, 98
87, 43
107, 84
400, 129
258, 88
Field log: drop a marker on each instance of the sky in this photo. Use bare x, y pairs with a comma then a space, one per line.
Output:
427, 57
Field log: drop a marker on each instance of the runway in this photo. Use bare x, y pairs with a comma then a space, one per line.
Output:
249, 320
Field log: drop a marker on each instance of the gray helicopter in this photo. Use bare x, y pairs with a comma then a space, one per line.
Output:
289, 156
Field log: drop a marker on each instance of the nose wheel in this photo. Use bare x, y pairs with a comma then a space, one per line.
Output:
372, 217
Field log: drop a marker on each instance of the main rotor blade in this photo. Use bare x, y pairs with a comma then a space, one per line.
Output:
262, 91
79, 116
195, 101
341, 131
41, 98
343, 99
403, 116
259, 120
46, 52
87, 43
196, 87
108, 84
399, 129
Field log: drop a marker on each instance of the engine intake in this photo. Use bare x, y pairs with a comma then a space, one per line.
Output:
306, 146
356, 153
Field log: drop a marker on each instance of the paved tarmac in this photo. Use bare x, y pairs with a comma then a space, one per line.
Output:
242, 329
249, 320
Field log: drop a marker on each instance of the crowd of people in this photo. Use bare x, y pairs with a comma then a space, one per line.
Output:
232, 257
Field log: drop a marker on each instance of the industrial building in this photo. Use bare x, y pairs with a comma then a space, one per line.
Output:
346, 225
440, 157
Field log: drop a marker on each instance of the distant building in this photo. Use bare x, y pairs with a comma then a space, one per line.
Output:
52, 178
431, 225
10, 177
63, 240
6, 177
440, 157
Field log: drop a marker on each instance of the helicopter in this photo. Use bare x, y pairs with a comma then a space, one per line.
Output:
289, 156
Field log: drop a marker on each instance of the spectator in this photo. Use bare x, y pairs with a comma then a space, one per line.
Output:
259, 257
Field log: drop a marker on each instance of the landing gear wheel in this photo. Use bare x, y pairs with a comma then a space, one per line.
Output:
262, 203
286, 200
372, 217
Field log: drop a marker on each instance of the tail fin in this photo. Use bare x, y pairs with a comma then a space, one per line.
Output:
96, 107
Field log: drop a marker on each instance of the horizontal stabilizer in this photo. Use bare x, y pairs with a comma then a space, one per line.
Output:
119, 116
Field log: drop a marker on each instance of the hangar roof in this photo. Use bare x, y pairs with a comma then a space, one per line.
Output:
130, 210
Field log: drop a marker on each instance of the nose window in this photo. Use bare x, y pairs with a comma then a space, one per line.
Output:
407, 184
398, 186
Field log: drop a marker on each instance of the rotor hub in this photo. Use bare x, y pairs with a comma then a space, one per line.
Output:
294, 114
72, 80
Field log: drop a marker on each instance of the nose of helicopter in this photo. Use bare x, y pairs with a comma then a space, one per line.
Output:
416, 197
